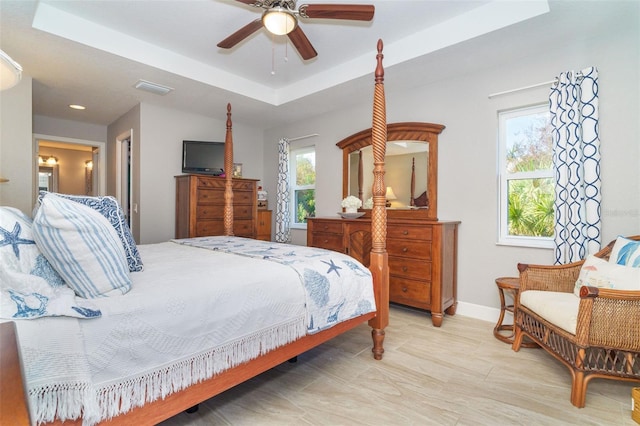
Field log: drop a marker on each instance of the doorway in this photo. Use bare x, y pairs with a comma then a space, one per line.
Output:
72, 166
124, 175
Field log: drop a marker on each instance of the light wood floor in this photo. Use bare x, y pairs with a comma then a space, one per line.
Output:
458, 374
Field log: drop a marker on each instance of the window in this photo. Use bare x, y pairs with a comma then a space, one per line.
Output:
303, 185
526, 192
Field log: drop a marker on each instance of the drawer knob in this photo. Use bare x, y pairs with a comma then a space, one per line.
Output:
405, 269
404, 289
326, 227
404, 249
405, 232
325, 241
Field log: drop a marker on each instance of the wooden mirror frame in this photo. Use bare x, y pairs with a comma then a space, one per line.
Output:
406, 131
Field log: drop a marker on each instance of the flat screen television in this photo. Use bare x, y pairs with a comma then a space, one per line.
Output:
203, 157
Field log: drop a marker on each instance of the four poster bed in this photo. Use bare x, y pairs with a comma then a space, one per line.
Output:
167, 387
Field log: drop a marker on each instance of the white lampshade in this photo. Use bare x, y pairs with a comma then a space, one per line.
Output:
390, 195
279, 21
10, 71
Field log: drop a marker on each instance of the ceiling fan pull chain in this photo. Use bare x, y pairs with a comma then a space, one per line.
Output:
273, 56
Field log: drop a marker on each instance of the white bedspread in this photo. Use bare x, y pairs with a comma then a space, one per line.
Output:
337, 287
190, 314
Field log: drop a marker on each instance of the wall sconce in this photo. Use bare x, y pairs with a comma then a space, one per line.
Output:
88, 164
390, 196
48, 161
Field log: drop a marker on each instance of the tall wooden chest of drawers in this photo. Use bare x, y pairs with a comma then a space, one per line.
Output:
422, 257
200, 206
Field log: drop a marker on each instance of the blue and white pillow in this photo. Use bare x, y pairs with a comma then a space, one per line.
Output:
29, 286
626, 252
109, 207
82, 246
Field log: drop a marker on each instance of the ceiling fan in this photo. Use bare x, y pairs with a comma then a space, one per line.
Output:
281, 18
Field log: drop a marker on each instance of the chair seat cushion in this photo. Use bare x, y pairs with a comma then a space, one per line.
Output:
560, 309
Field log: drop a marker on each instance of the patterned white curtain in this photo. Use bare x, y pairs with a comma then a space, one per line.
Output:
573, 103
283, 216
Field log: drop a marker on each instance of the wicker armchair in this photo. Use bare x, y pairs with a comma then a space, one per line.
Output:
607, 339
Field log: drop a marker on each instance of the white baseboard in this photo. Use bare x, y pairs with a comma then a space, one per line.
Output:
480, 312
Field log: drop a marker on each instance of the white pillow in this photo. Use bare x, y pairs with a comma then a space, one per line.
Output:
597, 272
108, 207
626, 252
82, 246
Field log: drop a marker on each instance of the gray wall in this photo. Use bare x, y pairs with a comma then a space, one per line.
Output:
467, 149
17, 161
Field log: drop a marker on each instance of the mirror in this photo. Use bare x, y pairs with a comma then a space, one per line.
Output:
405, 181
48, 178
411, 168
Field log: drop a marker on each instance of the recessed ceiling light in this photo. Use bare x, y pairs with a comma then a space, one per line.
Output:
76, 106
156, 88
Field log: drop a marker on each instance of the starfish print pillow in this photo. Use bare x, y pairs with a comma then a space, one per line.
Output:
29, 286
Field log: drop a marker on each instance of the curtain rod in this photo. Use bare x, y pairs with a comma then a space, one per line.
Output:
506, 92
302, 137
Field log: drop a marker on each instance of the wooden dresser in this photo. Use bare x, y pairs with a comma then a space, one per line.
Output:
422, 257
200, 206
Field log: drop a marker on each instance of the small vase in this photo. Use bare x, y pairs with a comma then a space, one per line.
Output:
351, 209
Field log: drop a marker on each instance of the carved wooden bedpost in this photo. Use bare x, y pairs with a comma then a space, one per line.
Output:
360, 176
412, 202
379, 262
228, 173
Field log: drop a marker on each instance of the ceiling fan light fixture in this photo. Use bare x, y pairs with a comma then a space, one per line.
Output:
10, 71
279, 20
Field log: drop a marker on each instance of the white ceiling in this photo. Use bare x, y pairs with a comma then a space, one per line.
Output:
93, 52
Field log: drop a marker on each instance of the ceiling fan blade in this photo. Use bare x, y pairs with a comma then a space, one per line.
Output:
354, 12
241, 34
302, 43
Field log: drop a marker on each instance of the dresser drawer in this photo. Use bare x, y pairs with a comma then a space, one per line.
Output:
327, 241
241, 228
332, 227
215, 196
210, 196
409, 268
216, 211
409, 248
410, 292
210, 182
242, 197
410, 232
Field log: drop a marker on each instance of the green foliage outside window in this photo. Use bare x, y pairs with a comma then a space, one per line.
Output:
305, 202
305, 205
531, 207
530, 200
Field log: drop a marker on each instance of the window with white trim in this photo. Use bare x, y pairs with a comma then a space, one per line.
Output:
526, 191
303, 185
